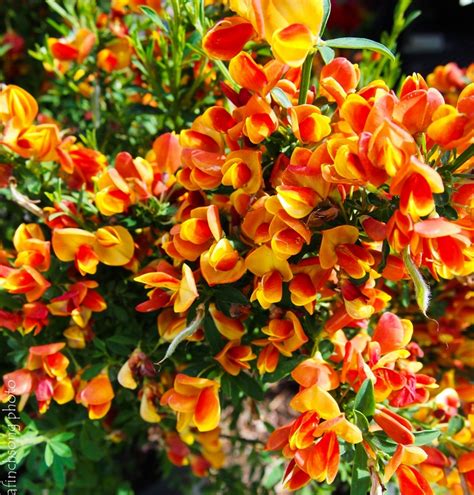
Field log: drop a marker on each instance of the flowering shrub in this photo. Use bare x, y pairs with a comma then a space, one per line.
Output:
260, 268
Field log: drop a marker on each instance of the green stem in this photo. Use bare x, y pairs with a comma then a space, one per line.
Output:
306, 77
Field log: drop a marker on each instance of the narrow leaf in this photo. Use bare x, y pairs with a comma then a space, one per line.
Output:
249, 385
48, 455
280, 97
154, 17
327, 53
360, 482
360, 44
462, 158
455, 425
426, 437
326, 14
365, 398
422, 291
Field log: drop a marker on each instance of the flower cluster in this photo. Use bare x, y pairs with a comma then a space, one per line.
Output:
283, 241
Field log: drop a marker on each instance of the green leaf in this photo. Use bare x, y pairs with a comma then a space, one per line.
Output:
360, 482
60, 449
365, 398
455, 425
230, 389
360, 44
285, 367
326, 14
63, 437
226, 385
228, 294
361, 421
426, 437
327, 53
58, 473
326, 348
154, 17
462, 158
93, 371
422, 291
383, 443
48, 455
213, 337
91, 442
280, 97
273, 475
249, 385
411, 17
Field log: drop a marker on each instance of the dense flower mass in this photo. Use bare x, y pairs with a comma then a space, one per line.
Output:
302, 241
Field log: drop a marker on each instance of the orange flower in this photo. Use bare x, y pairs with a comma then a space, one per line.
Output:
39, 142
395, 426
392, 333
307, 282
96, 395
230, 328
338, 247
35, 317
254, 77
115, 56
166, 153
129, 182
81, 163
257, 120
450, 128
77, 337
256, 223
182, 292
227, 38
268, 359
112, 246
196, 402
243, 171
390, 147
308, 124
76, 48
297, 201
287, 234
294, 477
316, 399
412, 482
18, 108
466, 468
32, 249
338, 79
221, 264
272, 271
170, 324
315, 371
79, 302
234, 357
196, 234
321, 460
148, 410
49, 359
416, 184
287, 334
290, 32
416, 106
25, 280
404, 455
